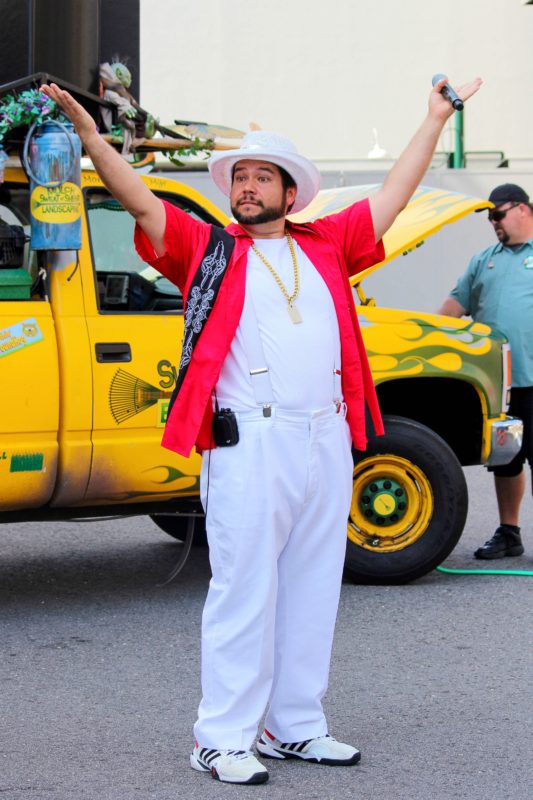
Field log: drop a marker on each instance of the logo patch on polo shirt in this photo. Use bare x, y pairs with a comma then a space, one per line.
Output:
528, 262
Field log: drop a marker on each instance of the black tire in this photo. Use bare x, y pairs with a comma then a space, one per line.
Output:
409, 505
176, 527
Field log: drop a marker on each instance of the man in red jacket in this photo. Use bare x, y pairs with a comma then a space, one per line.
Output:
272, 386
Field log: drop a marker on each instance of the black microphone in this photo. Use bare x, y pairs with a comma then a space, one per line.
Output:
447, 92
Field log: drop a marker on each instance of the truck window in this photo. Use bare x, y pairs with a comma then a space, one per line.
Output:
126, 283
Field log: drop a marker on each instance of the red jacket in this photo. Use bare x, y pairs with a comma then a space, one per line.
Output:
338, 245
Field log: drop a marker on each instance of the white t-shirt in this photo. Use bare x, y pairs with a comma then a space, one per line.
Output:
302, 358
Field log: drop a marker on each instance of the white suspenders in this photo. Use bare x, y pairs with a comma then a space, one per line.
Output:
253, 347
258, 368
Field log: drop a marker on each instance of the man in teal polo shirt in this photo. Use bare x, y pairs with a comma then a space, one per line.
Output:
497, 289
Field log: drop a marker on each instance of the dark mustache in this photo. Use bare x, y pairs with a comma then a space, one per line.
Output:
249, 199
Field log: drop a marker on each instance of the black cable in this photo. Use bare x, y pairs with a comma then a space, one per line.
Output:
76, 267
187, 544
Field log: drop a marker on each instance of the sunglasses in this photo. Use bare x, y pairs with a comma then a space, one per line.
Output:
497, 215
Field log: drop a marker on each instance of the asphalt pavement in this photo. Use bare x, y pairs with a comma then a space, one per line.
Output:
100, 659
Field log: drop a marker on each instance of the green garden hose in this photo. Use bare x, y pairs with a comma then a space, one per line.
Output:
485, 571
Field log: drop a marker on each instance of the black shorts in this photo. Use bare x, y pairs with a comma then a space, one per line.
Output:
521, 406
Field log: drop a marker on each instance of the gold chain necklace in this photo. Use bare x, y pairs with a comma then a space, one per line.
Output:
294, 314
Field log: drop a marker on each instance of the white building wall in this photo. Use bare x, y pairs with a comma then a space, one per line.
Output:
327, 73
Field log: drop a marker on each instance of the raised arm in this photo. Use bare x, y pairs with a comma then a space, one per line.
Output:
410, 167
121, 180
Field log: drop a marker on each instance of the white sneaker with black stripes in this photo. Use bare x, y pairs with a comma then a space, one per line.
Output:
230, 766
322, 750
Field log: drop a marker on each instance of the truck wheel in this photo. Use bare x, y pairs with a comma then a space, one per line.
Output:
409, 505
176, 527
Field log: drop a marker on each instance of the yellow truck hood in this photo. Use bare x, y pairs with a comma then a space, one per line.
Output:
427, 211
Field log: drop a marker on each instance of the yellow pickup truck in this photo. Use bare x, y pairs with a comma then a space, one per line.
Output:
90, 341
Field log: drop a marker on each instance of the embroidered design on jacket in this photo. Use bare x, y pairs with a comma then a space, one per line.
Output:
200, 299
202, 296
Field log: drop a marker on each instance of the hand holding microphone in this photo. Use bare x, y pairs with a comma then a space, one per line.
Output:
447, 92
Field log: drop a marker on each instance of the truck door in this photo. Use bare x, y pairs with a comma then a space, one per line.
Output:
135, 324
29, 374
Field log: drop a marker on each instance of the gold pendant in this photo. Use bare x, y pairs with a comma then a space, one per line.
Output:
294, 314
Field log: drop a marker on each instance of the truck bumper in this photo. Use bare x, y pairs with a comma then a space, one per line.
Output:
505, 441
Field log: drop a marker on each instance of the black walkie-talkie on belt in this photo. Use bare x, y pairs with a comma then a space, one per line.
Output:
225, 428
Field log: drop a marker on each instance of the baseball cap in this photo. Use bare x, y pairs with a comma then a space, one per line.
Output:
508, 193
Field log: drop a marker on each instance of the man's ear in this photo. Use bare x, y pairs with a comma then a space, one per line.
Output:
290, 196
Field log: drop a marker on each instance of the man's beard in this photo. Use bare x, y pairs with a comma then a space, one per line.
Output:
502, 235
262, 215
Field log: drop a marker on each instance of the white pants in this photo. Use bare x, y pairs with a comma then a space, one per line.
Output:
276, 525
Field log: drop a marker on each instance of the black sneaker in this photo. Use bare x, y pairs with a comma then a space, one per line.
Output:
505, 542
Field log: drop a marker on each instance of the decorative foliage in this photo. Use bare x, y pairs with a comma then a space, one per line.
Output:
196, 147
25, 109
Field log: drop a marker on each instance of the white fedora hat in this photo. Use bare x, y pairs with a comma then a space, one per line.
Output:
272, 147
